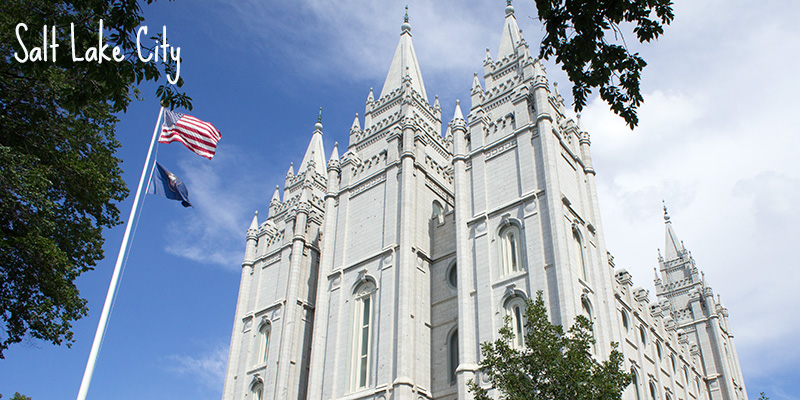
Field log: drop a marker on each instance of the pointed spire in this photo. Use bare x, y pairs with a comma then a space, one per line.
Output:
254, 224
276, 196
404, 63
290, 173
673, 247
315, 153
371, 96
476, 83
458, 114
355, 126
488, 58
436, 102
511, 33
335, 152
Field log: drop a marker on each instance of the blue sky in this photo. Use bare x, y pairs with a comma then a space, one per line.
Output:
717, 141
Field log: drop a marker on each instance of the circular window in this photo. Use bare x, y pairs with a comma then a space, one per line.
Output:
452, 276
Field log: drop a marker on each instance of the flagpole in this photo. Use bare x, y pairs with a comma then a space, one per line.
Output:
112, 287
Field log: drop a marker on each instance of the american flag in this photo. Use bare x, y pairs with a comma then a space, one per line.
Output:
199, 136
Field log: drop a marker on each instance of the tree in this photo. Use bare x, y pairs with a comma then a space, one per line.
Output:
18, 396
552, 364
59, 178
578, 34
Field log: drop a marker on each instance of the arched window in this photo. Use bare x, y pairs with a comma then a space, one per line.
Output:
515, 309
510, 255
686, 375
452, 276
362, 335
635, 383
653, 391
643, 336
438, 212
263, 342
580, 258
667, 396
672, 361
658, 350
626, 323
257, 390
452, 356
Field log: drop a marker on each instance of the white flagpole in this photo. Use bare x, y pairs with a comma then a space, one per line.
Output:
112, 287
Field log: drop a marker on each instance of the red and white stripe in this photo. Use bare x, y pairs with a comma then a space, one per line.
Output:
198, 136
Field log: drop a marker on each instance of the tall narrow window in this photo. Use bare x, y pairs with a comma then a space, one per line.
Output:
362, 334
438, 212
653, 392
515, 309
643, 336
580, 259
263, 342
635, 384
453, 355
625, 321
510, 255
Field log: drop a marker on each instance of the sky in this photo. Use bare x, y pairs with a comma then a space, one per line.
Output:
716, 141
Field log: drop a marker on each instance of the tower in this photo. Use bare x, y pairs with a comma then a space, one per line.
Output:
271, 339
700, 319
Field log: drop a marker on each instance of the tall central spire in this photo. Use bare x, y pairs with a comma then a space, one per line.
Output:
511, 34
404, 63
673, 247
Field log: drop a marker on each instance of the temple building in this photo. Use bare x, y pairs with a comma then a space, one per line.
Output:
378, 272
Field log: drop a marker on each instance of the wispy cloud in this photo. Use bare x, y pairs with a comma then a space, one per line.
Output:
207, 368
213, 233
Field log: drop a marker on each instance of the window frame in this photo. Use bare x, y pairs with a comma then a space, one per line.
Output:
515, 309
510, 249
452, 356
363, 321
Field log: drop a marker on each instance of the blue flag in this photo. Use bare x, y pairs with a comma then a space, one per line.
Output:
166, 184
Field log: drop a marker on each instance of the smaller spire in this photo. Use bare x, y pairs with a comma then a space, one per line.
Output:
335, 152
291, 170
355, 126
276, 196
371, 96
254, 224
476, 83
318, 125
458, 114
488, 58
406, 27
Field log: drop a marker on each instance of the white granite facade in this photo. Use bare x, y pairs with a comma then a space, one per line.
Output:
379, 276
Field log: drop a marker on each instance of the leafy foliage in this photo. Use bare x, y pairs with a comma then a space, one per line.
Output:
552, 364
18, 396
578, 34
59, 178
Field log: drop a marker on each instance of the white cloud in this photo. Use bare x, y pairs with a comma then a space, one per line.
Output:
213, 232
207, 368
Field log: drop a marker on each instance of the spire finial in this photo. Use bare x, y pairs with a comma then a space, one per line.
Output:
406, 27
666, 216
318, 125
509, 8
